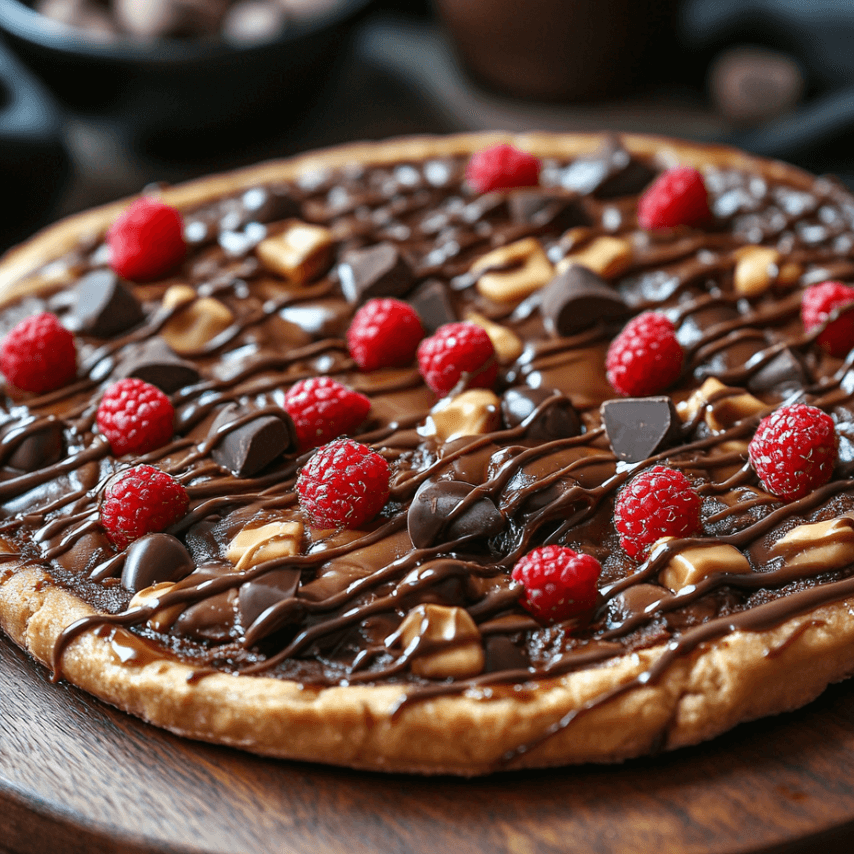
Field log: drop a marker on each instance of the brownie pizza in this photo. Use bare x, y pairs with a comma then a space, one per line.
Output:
439, 455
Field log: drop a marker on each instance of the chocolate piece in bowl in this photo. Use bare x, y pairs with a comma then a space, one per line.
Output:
536, 572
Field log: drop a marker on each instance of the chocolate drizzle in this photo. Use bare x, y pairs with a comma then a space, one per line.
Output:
330, 614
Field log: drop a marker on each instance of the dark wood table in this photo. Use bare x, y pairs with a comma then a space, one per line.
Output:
78, 776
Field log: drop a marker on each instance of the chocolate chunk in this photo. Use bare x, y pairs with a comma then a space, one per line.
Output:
639, 427
378, 271
155, 362
434, 502
261, 593
104, 306
784, 374
41, 446
155, 558
253, 442
262, 204
558, 421
502, 654
212, 619
541, 208
433, 304
607, 172
578, 298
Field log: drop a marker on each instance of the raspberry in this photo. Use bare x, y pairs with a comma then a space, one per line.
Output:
323, 410
818, 303
659, 502
140, 501
135, 417
344, 485
501, 167
676, 197
559, 583
457, 349
646, 357
39, 354
794, 450
384, 334
146, 241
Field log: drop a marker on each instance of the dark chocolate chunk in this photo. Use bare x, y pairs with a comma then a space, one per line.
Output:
434, 502
607, 172
433, 304
378, 271
263, 204
639, 427
155, 558
261, 593
40, 446
104, 306
253, 442
578, 298
557, 421
155, 362
541, 208
212, 619
784, 374
502, 654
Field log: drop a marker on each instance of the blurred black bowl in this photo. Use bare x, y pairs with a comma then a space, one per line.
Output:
178, 95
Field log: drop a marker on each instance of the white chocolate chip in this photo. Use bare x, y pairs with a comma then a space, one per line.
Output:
691, 565
269, 542
728, 405
527, 270
508, 345
429, 625
161, 620
470, 413
607, 256
197, 321
299, 254
818, 545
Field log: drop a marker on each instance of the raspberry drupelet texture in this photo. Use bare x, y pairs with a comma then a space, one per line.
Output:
501, 167
456, 349
146, 241
646, 357
384, 333
818, 303
558, 582
659, 502
794, 450
323, 409
135, 417
677, 197
142, 500
39, 354
344, 485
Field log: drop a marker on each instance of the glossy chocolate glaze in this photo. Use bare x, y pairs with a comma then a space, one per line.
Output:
547, 475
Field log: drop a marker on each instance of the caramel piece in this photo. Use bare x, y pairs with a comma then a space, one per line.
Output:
724, 405
429, 625
757, 268
299, 254
160, 621
607, 256
199, 321
471, 413
691, 565
520, 269
269, 542
508, 345
818, 546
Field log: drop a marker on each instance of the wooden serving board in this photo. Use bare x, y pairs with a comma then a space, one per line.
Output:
78, 776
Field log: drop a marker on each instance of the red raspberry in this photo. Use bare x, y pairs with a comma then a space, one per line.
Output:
135, 417
676, 197
659, 502
646, 357
559, 583
140, 501
818, 303
146, 241
384, 334
501, 167
323, 410
39, 354
344, 485
794, 450
455, 349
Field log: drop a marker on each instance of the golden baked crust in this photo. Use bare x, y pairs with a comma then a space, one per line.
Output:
698, 694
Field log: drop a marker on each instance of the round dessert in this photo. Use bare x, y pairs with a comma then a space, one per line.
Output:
439, 455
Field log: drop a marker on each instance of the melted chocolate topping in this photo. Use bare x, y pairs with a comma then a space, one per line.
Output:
473, 505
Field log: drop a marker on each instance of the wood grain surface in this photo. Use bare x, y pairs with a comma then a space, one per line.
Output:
78, 776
